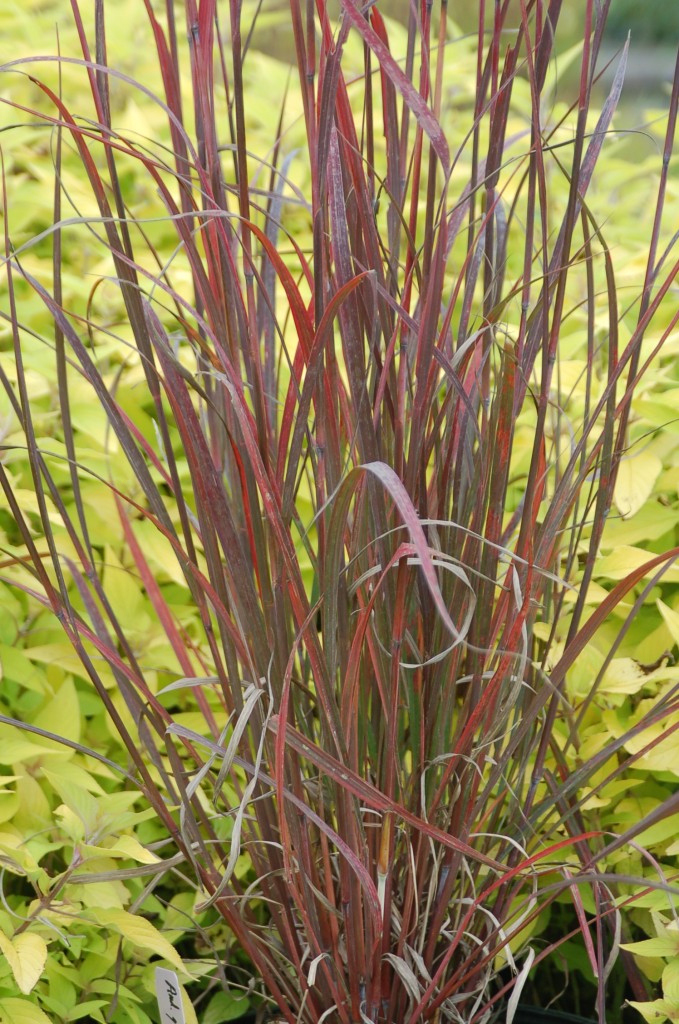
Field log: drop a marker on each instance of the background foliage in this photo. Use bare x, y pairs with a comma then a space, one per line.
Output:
655, 22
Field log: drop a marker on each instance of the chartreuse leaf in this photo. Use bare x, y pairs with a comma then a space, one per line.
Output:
91, 817
634, 484
100, 894
9, 802
225, 1006
12, 615
124, 593
158, 551
139, 932
15, 666
26, 955
660, 832
58, 653
187, 1006
137, 1016
21, 1011
624, 559
88, 1009
670, 983
16, 853
651, 522
81, 803
61, 714
34, 812
657, 1011
663, 744
128, 846
73, 773
64, 986
16, 747
623, 675
671, 618
179, 916
71, 825
664, 944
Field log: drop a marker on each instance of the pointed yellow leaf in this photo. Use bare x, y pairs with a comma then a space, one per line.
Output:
21, 1011
634, 485
34, 811
101, 894
15, 851
61, 714
128, 846
670, 983
187, 1005
15, 747
61, 654
623, 559
26, 955
76, 775
78, 800
671, 618
15, 665
655, 1012
123, 590
623, 675
158, 550
140, 932
661, 945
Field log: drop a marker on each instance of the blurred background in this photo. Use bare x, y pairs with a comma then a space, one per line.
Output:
653, 26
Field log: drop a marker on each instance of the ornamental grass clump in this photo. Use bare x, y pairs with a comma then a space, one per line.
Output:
319, 490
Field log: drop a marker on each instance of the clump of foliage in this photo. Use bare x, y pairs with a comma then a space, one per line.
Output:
315, 488
665, 947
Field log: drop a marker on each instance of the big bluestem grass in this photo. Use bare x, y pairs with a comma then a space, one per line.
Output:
383, 501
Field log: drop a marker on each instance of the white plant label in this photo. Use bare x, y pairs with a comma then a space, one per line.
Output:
169, 997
